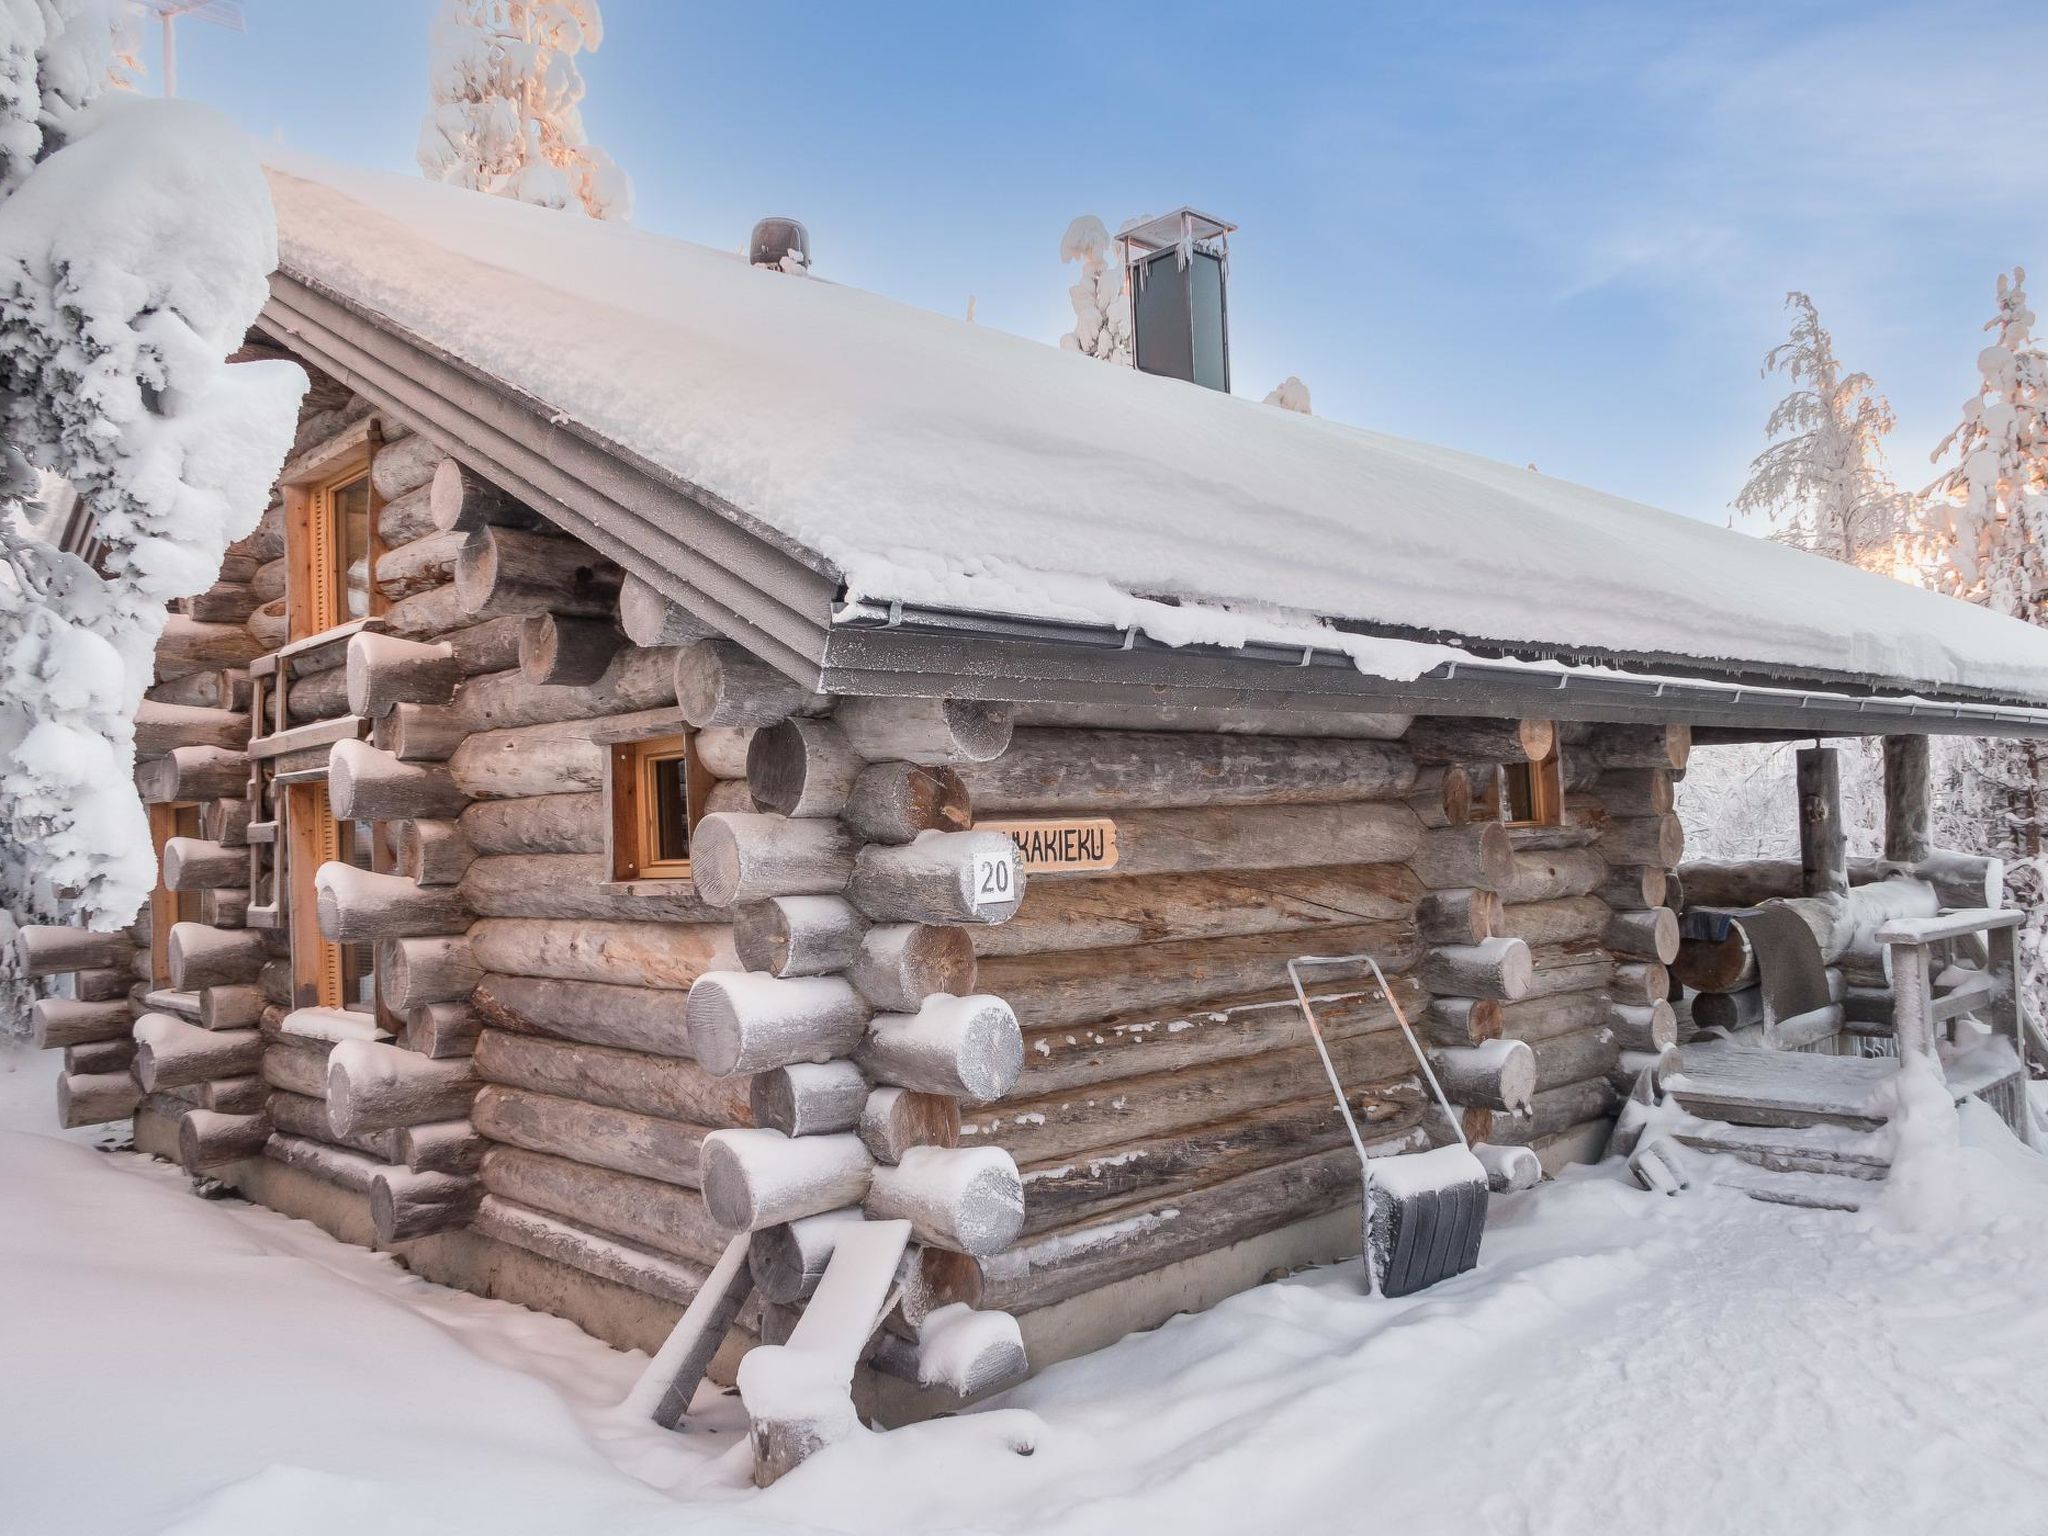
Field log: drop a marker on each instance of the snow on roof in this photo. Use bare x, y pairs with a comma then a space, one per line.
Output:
941, 463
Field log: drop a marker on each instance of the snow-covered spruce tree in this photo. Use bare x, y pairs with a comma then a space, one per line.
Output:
1822, 482
1986, 519
135, 240
1102, 310
506, 117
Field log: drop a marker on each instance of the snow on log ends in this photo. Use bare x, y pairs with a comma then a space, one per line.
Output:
815, 409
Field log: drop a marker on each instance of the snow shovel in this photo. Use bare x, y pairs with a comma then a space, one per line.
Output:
1423, 1213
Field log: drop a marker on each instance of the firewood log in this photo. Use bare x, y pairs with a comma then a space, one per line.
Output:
194, 864
964, 1199
170, 1053
189, 645
1651, 935
929, 731
1062, 770
405, 1205
1552, 873
1452, 739
624, 954
969, 1047
403, 466
810, 1098
53, 951
433, 852
418, 565
374, 1087
1455, 1021
95, 1099
230, 1007
893, 1120
720, 683
560, 650
1067, 915
899, 965
383, 671
441, 1146
460, 498
435, 968
745, 1021
442, 1030
365, 784
199, 956
590, 1013
1466, 916
192, 773
1501, 1074
1477, 854
160, 727
943, 877
418, 733
546, 824
665, 1087
1498, 968
59, 1022
801, 767
798, 935
894, 802
356, 904
668, 1218
650, 619
208, 1139
739, 857
760, 1178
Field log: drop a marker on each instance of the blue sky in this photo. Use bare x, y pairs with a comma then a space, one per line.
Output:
1555, 233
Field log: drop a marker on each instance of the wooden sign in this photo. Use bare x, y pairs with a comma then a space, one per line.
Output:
1059, 845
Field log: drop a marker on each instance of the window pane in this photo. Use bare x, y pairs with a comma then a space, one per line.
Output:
669, 778
352, 546
1521, 792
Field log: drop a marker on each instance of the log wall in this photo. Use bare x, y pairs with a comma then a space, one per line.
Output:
1088, 1077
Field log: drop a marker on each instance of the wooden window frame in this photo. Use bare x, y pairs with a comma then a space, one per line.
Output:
1546, 791
166, 821
313, 580
631, 832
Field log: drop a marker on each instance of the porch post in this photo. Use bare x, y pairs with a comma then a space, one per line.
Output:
1823, 843
1908, 798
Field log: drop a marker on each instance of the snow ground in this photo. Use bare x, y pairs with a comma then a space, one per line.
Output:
1620, 1363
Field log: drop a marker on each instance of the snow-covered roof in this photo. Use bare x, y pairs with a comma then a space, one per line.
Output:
927, 460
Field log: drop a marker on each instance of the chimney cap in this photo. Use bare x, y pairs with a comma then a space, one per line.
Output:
1166, 230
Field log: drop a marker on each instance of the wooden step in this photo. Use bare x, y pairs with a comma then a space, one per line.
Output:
1809, 1191
1822, 1149
1749, 1085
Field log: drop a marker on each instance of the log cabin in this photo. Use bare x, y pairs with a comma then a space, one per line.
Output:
695, 754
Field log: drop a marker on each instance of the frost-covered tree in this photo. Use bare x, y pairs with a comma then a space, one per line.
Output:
507, 116
1290, 394
1986, 518
135, 240
1102, 310
1822, 482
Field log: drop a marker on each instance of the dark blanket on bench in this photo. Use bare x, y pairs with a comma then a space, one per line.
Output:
1788, 962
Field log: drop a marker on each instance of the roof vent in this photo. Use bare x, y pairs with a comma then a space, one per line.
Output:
1178, 266
782, 244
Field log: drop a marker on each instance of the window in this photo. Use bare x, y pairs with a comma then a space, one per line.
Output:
331, 527
325, 974
1533, 793
168, 907
657, 791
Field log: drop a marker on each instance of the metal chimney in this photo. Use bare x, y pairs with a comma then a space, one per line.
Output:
1177, 267
783, 244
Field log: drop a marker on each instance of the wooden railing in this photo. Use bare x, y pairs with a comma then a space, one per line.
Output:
1991, 994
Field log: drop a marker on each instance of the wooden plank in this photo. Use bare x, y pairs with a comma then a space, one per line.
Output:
319, 734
